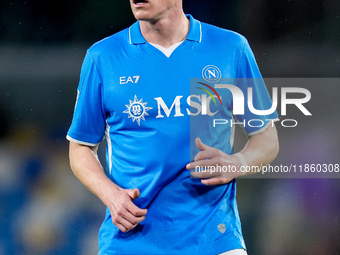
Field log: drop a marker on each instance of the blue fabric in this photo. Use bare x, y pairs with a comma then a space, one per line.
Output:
134, 95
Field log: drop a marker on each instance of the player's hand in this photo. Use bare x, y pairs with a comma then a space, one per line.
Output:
223, 167
125, 214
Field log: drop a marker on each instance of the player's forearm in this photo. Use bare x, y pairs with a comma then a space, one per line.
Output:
87, 168
262, 148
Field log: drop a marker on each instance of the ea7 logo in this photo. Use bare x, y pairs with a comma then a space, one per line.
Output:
129, 79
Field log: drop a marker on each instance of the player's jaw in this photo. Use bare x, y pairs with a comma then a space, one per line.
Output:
154, 10
142, 9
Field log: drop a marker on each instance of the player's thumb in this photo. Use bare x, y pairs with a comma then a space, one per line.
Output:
200, 145
133, 193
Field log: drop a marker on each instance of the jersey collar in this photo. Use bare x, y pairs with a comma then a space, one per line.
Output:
195, 32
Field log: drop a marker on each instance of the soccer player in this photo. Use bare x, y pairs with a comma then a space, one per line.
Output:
135, 91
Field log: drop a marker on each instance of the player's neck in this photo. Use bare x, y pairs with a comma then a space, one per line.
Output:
166, 31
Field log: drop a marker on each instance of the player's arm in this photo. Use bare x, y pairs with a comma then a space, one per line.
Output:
88, 169
260, 150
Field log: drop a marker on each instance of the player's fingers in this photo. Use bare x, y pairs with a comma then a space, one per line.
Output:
201, 164
133, 220
204, 174
207, 154
124, 225
117, 220
200, 145
122, 216
124, 209
216, 181
136, 211
133, 193
121, 227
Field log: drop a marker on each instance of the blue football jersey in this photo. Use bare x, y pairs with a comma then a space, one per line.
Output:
142, 102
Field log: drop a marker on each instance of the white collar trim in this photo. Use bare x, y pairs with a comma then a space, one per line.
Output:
167, 51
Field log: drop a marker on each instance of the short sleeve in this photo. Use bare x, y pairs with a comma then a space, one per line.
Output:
249, 76
88, 123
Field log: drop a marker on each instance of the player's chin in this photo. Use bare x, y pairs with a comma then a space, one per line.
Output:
140, 14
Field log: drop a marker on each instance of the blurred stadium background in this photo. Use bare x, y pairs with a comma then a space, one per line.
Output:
45, 210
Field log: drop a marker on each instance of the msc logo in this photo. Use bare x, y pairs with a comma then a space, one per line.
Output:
201, 104
211, 74
137, 110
